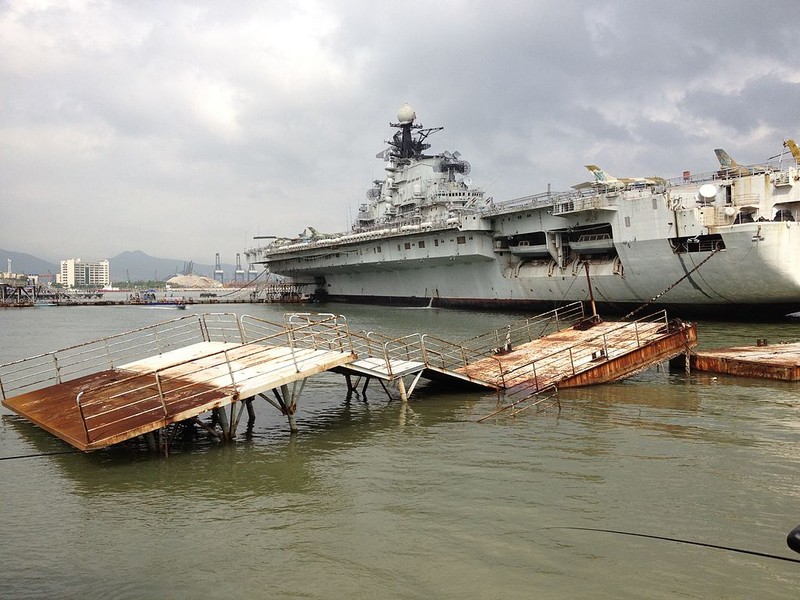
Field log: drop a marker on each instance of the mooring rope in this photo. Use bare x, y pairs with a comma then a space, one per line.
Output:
681, 541
39, 454
657, 296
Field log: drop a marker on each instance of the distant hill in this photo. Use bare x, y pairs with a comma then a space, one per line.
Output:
22, 262
138, 266
126, 266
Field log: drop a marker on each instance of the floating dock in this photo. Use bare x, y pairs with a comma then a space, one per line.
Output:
17, 295
151, 381
781, 361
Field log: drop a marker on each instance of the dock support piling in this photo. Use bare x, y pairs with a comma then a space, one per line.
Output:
236, 416
401, 386
291, 405
251, 413
222, 419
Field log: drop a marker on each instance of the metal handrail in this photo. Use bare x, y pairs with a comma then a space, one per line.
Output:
408, 348
585, 347
107, 352
528, 330
160, 376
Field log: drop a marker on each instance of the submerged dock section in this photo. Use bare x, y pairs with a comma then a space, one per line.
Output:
108, 391
781, 361
149, 382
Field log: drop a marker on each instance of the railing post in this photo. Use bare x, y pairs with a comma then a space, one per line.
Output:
83, 418
571, 361
347, 335
242, 336
230, 369
291, 340
58, 368
502, 375
204, 329
161, 393
386, 358
369, 343
636, 329
108, 353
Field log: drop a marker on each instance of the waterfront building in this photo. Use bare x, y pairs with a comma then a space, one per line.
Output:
78, 273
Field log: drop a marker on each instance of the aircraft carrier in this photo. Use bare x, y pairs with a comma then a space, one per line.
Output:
723, 244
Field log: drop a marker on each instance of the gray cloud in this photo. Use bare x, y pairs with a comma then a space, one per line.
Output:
183, 129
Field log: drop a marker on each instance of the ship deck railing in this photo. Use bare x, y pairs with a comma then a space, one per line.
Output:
564, 201
360, 234
732, 172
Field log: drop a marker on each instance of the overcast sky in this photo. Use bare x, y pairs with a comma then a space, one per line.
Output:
183, 129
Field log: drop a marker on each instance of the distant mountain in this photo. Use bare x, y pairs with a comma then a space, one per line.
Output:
126, 266
22, 262
138, 266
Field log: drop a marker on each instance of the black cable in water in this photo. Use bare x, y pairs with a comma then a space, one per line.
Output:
680, 541
38, 455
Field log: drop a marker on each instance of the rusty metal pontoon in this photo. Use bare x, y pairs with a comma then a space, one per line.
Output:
141, 382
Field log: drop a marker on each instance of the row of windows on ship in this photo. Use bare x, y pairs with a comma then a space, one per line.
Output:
461, 239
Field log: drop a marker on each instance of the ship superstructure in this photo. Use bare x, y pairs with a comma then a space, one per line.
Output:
729, 239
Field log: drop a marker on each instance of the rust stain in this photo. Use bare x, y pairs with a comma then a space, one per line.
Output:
571, 357
781, 362
115, 406
122, 403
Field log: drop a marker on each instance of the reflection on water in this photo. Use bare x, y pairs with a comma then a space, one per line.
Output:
379, 499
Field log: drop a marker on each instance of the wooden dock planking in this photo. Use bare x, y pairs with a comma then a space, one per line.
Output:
780, 362
122, 403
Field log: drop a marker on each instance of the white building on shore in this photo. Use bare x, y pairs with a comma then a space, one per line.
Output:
78, 273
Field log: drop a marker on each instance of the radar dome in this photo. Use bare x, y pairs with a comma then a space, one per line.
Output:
708, 191
406, 114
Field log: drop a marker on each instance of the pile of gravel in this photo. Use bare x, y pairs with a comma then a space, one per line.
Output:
193, 281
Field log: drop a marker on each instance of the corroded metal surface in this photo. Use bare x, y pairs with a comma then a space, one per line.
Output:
568, 358
769, 362
115, 405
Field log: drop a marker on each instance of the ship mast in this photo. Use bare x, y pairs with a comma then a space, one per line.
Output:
406, 146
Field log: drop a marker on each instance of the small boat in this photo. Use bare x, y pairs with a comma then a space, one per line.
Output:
148, 299
527, 250
593, 244
165, 304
